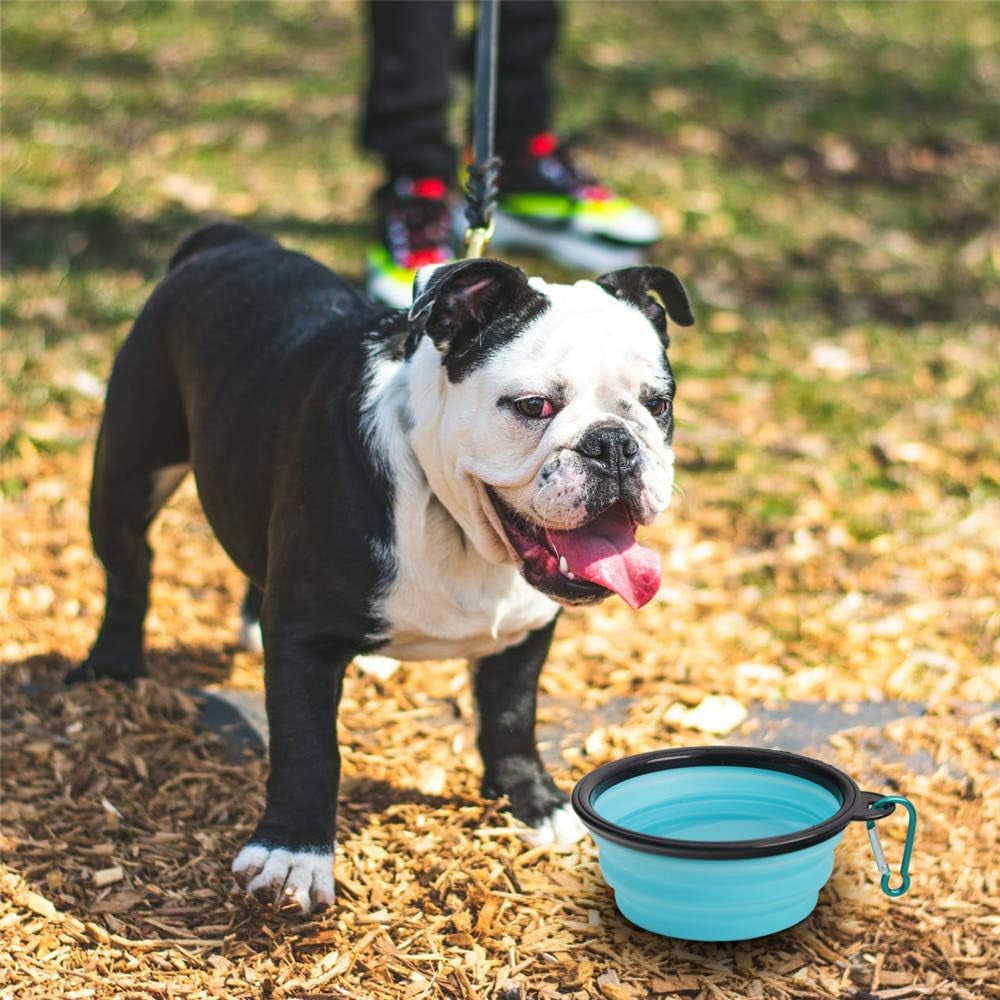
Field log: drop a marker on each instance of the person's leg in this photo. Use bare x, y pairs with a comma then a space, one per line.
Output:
548, 202
411, 48
528, 32
406, 121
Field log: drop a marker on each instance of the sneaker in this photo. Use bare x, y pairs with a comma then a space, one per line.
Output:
548, 203
415, 229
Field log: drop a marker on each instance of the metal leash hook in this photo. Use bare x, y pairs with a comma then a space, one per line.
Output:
876, 843
477, 238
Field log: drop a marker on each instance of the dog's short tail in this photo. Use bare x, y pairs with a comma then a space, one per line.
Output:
216, 234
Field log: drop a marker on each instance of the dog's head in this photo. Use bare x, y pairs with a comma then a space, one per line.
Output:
543, 416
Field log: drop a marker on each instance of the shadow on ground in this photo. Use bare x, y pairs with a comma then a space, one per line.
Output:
101, 237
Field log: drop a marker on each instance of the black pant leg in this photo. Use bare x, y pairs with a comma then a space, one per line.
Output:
406, 111
528, 32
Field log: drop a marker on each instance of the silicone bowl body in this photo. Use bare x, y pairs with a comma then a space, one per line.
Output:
718, 843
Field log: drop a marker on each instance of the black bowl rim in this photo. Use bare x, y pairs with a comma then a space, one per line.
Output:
855, 804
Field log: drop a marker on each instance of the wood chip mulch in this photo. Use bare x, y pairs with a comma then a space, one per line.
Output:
121, 817
121, 814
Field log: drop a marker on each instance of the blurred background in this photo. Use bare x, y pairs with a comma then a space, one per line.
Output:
827, 177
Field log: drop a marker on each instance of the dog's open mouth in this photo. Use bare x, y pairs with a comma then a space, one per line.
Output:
587, 563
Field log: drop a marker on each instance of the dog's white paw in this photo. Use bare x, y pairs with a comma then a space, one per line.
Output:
559, 827
382, 667
275, 874
251, 639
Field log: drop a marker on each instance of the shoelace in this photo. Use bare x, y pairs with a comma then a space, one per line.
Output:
419, 226
556, 163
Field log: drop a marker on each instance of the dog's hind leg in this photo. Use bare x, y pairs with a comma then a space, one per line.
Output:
250, 634
141, 458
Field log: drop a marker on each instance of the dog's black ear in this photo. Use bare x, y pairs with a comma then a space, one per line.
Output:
656, 292
454, 303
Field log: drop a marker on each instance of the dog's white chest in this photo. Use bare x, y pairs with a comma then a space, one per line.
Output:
446, 601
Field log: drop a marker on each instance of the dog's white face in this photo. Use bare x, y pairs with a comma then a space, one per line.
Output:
543, 417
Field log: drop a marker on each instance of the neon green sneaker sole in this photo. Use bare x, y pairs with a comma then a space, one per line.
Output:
386, 281
614, 219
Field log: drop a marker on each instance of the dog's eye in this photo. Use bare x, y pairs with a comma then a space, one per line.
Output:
535, 407
657, 407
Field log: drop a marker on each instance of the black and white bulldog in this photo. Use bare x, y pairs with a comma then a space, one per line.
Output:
425, 485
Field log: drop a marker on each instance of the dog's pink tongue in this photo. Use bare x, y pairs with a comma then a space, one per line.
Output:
605, 552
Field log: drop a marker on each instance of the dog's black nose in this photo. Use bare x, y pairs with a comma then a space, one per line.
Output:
612, 450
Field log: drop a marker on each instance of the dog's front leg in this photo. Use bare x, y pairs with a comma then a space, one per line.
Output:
506, 691
289, 858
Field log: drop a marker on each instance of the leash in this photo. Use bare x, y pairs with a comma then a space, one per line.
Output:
483, 174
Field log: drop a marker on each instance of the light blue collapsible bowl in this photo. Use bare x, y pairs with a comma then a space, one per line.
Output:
724, 843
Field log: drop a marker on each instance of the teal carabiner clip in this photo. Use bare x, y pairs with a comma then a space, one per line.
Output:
880, 861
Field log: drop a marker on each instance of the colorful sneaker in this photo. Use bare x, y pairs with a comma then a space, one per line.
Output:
548, 203
415, 229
